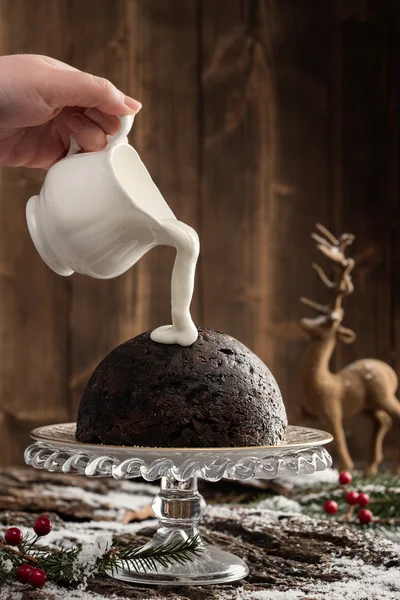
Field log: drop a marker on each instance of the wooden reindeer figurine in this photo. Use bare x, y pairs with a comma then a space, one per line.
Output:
366, 385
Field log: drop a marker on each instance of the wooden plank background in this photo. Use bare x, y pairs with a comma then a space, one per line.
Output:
260, 117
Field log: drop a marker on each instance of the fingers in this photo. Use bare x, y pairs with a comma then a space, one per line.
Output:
54, 62
75, 88
109, 123
90, 136
90, 129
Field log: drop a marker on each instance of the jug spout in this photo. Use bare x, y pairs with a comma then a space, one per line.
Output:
134, 179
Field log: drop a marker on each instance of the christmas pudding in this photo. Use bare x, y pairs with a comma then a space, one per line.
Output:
214, 393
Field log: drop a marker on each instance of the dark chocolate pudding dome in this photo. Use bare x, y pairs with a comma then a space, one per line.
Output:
215, 393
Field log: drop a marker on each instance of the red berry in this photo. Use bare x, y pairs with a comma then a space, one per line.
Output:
352, 498
37, 578
365, 516
330, 507
24, 572
363, 499
42, 526
13, 536
345, 477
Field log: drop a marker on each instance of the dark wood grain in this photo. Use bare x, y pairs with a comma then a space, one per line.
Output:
100, 311
365, 184
260, 117
238, 155
33, 300
295, 41
163, 74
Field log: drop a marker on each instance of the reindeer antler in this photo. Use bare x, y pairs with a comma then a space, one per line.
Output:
321, 308
334, 249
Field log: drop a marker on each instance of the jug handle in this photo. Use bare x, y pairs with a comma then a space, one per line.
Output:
121, 137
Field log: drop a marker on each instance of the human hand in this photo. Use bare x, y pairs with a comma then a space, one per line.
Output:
43, 101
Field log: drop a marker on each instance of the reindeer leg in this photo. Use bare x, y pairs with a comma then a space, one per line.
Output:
394, 411
382, 423
334, 424
391, 405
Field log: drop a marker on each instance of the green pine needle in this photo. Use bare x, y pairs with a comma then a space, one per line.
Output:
63, 566
383, 489
148, 558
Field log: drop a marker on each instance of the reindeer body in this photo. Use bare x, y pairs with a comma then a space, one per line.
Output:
361, 386
369, 385
366, 385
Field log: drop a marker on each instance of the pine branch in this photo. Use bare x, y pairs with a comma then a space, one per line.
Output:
150, 557
4, 576
64, 566
60, 566
15, 555
383, 488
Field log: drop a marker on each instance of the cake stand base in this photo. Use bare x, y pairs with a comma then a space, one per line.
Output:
179, 506
211, 566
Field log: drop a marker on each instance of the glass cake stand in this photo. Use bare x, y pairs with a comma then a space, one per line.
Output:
179, 506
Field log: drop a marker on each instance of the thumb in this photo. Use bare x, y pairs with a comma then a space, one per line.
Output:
76, 88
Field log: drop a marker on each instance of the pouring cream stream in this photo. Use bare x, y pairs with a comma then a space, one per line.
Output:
182, 331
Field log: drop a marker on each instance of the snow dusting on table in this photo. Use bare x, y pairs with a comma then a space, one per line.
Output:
360, 582
292, 556
116, 502
54, 592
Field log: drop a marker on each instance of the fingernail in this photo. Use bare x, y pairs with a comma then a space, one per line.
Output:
132, 104
76, 124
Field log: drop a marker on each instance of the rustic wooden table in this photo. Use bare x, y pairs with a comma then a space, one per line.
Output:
297, 556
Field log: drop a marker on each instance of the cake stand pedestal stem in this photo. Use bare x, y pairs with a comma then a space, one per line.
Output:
178, 508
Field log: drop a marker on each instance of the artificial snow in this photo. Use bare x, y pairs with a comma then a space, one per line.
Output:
269, 595
7, 566
85, 562
116, 502
359, 582
62, 594
393, 536
53, 592
252, 519
80, 533
327, 476
280, 504
315, 321
7, 592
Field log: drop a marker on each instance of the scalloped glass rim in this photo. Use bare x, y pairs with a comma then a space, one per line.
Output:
297, 437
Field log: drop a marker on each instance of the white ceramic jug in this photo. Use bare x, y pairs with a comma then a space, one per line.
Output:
98, 213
